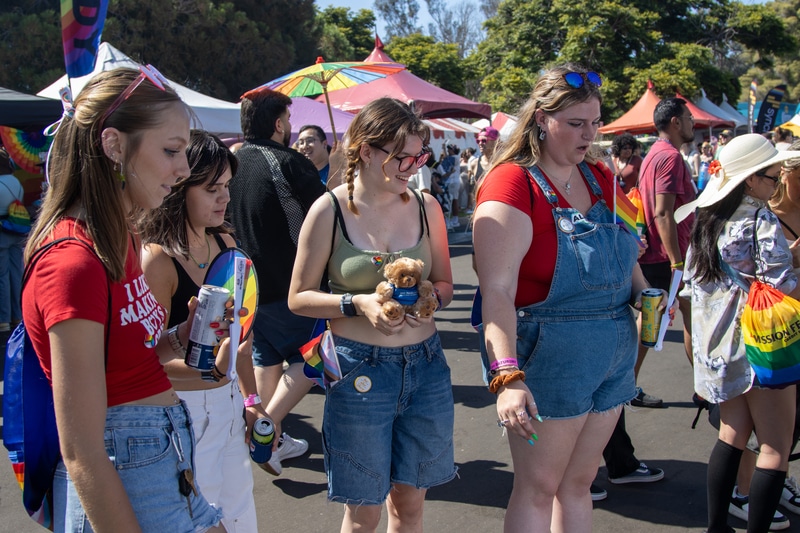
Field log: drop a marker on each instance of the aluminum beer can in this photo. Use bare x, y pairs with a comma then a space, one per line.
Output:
651, 316
201, 351
261, 440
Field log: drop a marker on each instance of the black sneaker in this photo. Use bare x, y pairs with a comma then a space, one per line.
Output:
598, 494
645, 400
643, 474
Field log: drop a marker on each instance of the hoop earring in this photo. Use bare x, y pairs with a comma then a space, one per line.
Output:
542, 134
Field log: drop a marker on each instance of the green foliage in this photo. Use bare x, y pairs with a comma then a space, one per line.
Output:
400, 17
30, 49
346, 36
681, 45
437, 63
221, 49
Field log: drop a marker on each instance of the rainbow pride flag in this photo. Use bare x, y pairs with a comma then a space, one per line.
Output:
626, 213
82, 24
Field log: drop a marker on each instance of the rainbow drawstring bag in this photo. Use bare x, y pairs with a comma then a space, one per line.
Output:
771, 329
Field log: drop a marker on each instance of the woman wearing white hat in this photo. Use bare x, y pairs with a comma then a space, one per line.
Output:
731, 209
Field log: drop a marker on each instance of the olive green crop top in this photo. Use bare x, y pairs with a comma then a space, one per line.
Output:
357, 271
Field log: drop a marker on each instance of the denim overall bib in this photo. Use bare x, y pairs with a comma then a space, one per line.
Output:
578, 346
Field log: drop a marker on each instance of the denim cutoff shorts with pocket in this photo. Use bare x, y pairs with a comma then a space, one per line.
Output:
388, 420
143, 443
576, 367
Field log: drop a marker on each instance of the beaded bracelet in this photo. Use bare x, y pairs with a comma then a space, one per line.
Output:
505, 379
508, 361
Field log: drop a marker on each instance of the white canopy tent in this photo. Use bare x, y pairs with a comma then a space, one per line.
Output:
214, 115
732, 113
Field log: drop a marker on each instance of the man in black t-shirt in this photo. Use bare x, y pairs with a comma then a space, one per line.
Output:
270, 196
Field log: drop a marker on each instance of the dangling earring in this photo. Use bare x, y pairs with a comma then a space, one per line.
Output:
542, 134
119, 170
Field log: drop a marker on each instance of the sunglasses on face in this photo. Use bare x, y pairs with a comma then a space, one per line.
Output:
406, 162
146, 72
576, 79
763, 174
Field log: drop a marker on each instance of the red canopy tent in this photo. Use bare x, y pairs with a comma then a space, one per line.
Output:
639, 119
704, 118
428, 99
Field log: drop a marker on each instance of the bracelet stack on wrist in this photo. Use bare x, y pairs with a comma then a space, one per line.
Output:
507, 363
175, 342
253, 399
215, 374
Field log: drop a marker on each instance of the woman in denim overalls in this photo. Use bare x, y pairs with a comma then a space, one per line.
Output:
557, 275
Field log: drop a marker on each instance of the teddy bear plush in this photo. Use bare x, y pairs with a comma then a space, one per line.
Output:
404, 291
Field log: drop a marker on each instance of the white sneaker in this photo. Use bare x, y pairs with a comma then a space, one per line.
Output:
288, 448
790, 498
739, 507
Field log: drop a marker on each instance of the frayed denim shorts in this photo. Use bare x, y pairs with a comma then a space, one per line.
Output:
574, 367
388, 420
144, 443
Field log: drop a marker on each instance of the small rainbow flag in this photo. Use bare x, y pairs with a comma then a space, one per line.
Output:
626, 213
636, 199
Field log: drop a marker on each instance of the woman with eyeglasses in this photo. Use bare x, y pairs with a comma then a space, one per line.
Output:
557, 277
736, 239
125, 436
388, 422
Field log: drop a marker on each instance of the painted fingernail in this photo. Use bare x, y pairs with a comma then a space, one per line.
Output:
534, 436
538, 418
530, 442
214, 325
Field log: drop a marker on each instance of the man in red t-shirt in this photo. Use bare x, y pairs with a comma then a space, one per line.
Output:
666, 184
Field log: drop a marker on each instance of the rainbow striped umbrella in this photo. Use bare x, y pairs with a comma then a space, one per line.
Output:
24, 147
322, 77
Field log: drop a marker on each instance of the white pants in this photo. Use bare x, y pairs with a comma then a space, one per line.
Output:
222, 459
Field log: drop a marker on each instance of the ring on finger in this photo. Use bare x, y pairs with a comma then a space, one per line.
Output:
502, 423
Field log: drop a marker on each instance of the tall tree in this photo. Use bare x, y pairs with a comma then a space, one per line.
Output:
346, 36
435, 62
684, 44
400, 17
460, 25
30, 49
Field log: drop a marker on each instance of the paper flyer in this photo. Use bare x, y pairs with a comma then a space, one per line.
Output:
677, 276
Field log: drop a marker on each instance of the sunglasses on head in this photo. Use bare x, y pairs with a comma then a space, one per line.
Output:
146, 72
406, 162
576, 79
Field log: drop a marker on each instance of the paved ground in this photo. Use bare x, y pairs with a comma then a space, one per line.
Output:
475, 501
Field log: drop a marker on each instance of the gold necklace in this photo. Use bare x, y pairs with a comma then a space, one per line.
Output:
208, 255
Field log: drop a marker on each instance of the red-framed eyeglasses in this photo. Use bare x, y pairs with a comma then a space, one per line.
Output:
146, 72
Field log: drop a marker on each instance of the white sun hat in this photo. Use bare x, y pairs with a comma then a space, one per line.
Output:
742, 157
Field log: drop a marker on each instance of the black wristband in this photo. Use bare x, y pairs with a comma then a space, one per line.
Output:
208, 375
346, 305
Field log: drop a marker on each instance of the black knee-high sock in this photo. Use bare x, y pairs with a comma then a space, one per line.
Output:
765, 494
722, 468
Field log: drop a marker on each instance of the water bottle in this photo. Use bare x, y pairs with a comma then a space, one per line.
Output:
702, 178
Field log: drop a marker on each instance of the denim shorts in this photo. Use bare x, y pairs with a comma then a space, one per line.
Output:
388, 420
278, 334
576, 367
143, 442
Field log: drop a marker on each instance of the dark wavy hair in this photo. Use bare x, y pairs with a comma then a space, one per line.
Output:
620, 142
708, 225
166, 226
259, 112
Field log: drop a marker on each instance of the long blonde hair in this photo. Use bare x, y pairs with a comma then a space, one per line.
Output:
551, 94
82, 175
380, 122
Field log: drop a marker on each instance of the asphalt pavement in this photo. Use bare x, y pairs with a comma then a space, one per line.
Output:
475, 501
